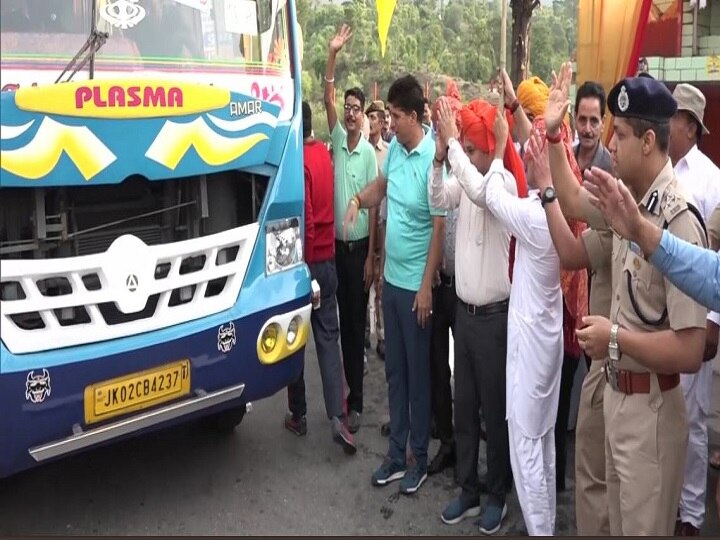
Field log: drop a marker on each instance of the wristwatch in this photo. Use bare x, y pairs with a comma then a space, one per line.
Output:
548, 195
613, 349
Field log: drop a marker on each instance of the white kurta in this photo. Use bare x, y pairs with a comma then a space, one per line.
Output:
699, 178
535, 352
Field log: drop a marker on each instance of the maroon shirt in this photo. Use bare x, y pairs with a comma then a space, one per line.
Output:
319, 214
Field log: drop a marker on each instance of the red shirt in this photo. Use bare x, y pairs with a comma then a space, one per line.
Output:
319, 214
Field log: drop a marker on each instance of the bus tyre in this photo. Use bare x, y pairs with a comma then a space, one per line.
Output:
225, 422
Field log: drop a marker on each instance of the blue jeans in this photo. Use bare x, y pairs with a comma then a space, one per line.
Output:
407, 371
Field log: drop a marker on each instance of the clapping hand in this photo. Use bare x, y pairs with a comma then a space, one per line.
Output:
615, 201
446, 125
538, 160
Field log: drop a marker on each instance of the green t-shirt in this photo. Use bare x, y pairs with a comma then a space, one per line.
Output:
353, 171
409, 214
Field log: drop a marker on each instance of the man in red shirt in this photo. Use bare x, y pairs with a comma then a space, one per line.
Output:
320, 257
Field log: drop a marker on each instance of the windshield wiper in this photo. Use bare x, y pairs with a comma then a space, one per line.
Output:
87, 52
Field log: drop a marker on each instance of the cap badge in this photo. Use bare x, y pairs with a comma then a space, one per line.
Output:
623, 100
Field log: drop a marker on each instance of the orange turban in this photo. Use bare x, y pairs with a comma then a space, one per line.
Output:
477, 119
574, 283
452, 93
533, 96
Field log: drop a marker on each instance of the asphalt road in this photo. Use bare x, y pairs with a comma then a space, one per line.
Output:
260, 480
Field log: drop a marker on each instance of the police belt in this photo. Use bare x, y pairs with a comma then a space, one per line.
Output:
487, 309
632, 382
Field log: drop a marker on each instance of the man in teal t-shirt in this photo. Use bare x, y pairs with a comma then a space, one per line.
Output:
355, 166
413, 250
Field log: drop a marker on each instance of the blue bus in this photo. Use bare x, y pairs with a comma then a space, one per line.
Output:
151, 210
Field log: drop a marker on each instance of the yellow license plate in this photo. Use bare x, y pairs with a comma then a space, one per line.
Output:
137, 391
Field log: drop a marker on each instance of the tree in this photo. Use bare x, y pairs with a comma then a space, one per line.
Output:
522, 11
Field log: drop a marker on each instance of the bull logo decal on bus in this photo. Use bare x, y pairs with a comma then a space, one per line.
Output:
226, 338
37, 386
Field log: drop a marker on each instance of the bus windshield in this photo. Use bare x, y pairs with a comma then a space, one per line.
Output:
242, 45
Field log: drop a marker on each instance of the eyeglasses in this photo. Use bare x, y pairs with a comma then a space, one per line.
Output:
355, 109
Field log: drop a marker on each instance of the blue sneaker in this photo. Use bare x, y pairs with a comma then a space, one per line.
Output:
388, 472
492, 518
459, 509
412, 481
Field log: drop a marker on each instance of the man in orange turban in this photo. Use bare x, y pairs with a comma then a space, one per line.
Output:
534, 344
483, 290
533, 95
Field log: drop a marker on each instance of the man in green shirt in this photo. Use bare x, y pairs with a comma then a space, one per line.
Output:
355, 166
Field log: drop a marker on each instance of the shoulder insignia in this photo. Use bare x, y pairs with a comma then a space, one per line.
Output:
672, 204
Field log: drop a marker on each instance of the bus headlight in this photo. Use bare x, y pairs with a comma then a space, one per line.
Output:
293, 329
269, 338
283, 245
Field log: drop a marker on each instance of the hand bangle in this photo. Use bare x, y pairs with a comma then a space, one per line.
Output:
438, 161
329, 81
514, 106
355, 200
554, 139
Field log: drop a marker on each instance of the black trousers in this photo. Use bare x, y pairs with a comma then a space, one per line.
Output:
444, 306
480, 360
352, 303
569, 366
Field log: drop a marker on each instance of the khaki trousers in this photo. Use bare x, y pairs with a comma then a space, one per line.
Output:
645, 446
591, 502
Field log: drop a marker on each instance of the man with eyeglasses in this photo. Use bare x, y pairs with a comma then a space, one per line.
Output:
355, 166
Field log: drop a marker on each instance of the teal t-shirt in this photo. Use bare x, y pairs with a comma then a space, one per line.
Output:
409, 214
353, 171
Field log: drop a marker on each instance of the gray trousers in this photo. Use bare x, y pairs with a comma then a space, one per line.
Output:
326, 332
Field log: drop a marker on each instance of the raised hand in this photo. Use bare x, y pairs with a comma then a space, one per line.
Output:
538, 160
446, 125
558, 102
507, 88
341, 38
500, 130
615, 201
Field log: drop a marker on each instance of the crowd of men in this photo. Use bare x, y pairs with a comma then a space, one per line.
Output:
507, 223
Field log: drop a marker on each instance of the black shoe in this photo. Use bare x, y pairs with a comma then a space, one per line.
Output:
353, 421
380, 349
442, 460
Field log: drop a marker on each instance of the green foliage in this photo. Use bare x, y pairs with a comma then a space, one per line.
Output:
430, 39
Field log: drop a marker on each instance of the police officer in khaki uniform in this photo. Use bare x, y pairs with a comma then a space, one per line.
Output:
654, 333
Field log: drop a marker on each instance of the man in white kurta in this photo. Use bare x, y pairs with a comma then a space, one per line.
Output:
535, 351
699, 178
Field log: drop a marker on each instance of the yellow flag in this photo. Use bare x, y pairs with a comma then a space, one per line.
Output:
385, 9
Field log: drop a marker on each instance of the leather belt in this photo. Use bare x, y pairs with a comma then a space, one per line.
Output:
447, 281
487, 309
632, 382
351, 245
